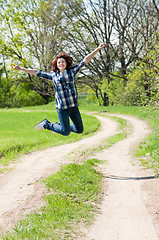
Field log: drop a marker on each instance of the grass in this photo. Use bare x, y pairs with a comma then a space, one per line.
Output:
123, 131
148, 150
75, 190
19, 137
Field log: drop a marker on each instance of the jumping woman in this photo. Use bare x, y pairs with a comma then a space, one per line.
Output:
63, 77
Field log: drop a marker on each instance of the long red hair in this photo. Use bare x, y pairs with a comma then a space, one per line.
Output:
67, 58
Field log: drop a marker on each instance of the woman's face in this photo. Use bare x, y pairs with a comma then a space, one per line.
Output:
61, 64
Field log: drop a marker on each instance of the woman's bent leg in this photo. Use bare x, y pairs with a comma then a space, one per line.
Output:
75, 116
64, 127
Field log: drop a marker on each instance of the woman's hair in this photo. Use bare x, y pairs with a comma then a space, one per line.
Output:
67, 58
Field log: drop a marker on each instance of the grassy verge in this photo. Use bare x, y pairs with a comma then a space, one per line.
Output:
148, 150
76, 189
18, 135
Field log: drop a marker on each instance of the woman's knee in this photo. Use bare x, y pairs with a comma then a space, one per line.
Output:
80, 130
66, 132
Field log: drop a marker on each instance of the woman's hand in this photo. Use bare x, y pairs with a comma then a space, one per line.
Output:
102, 45
30, 71
88, 58
17, 68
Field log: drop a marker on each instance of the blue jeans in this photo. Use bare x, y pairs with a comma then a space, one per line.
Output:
64, 128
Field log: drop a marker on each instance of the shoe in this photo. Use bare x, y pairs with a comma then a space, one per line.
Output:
41, 125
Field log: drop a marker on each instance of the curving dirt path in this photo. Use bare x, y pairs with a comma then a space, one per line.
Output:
21, 190
130, 206
126, 211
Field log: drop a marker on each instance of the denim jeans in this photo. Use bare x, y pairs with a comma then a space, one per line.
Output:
64, 128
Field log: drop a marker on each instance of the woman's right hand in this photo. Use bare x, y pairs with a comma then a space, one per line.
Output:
17, 68
30, 71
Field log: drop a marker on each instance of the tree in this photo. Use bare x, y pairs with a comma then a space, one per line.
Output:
86, 26
77, 27
156, 7
143, 80
32, 39
126, 26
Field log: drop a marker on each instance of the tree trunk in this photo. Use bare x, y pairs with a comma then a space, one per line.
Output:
105, 100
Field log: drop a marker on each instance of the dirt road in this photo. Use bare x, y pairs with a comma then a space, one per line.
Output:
130, 207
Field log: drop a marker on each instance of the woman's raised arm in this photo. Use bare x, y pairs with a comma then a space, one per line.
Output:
88, 58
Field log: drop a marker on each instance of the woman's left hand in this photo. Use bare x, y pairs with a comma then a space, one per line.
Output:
102, 45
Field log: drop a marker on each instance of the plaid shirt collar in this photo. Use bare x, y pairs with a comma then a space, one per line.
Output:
66, 77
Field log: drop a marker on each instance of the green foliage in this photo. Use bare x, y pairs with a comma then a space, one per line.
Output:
114, 88
18, 95
23, 96
139, 87
30, 40
143, 83
142, 86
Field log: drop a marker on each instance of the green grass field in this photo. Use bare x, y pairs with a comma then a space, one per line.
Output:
18, 135
76, 188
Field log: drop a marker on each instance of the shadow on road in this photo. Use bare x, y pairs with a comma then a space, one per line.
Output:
131, 178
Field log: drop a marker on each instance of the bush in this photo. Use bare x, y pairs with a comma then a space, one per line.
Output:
23, 96
142, 87
20, 96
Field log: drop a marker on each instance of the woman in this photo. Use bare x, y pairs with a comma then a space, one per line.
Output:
63, 77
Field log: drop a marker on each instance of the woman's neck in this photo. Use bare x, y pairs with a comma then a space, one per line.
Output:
63, 72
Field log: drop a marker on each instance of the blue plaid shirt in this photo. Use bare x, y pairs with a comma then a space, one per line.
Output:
65, 87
